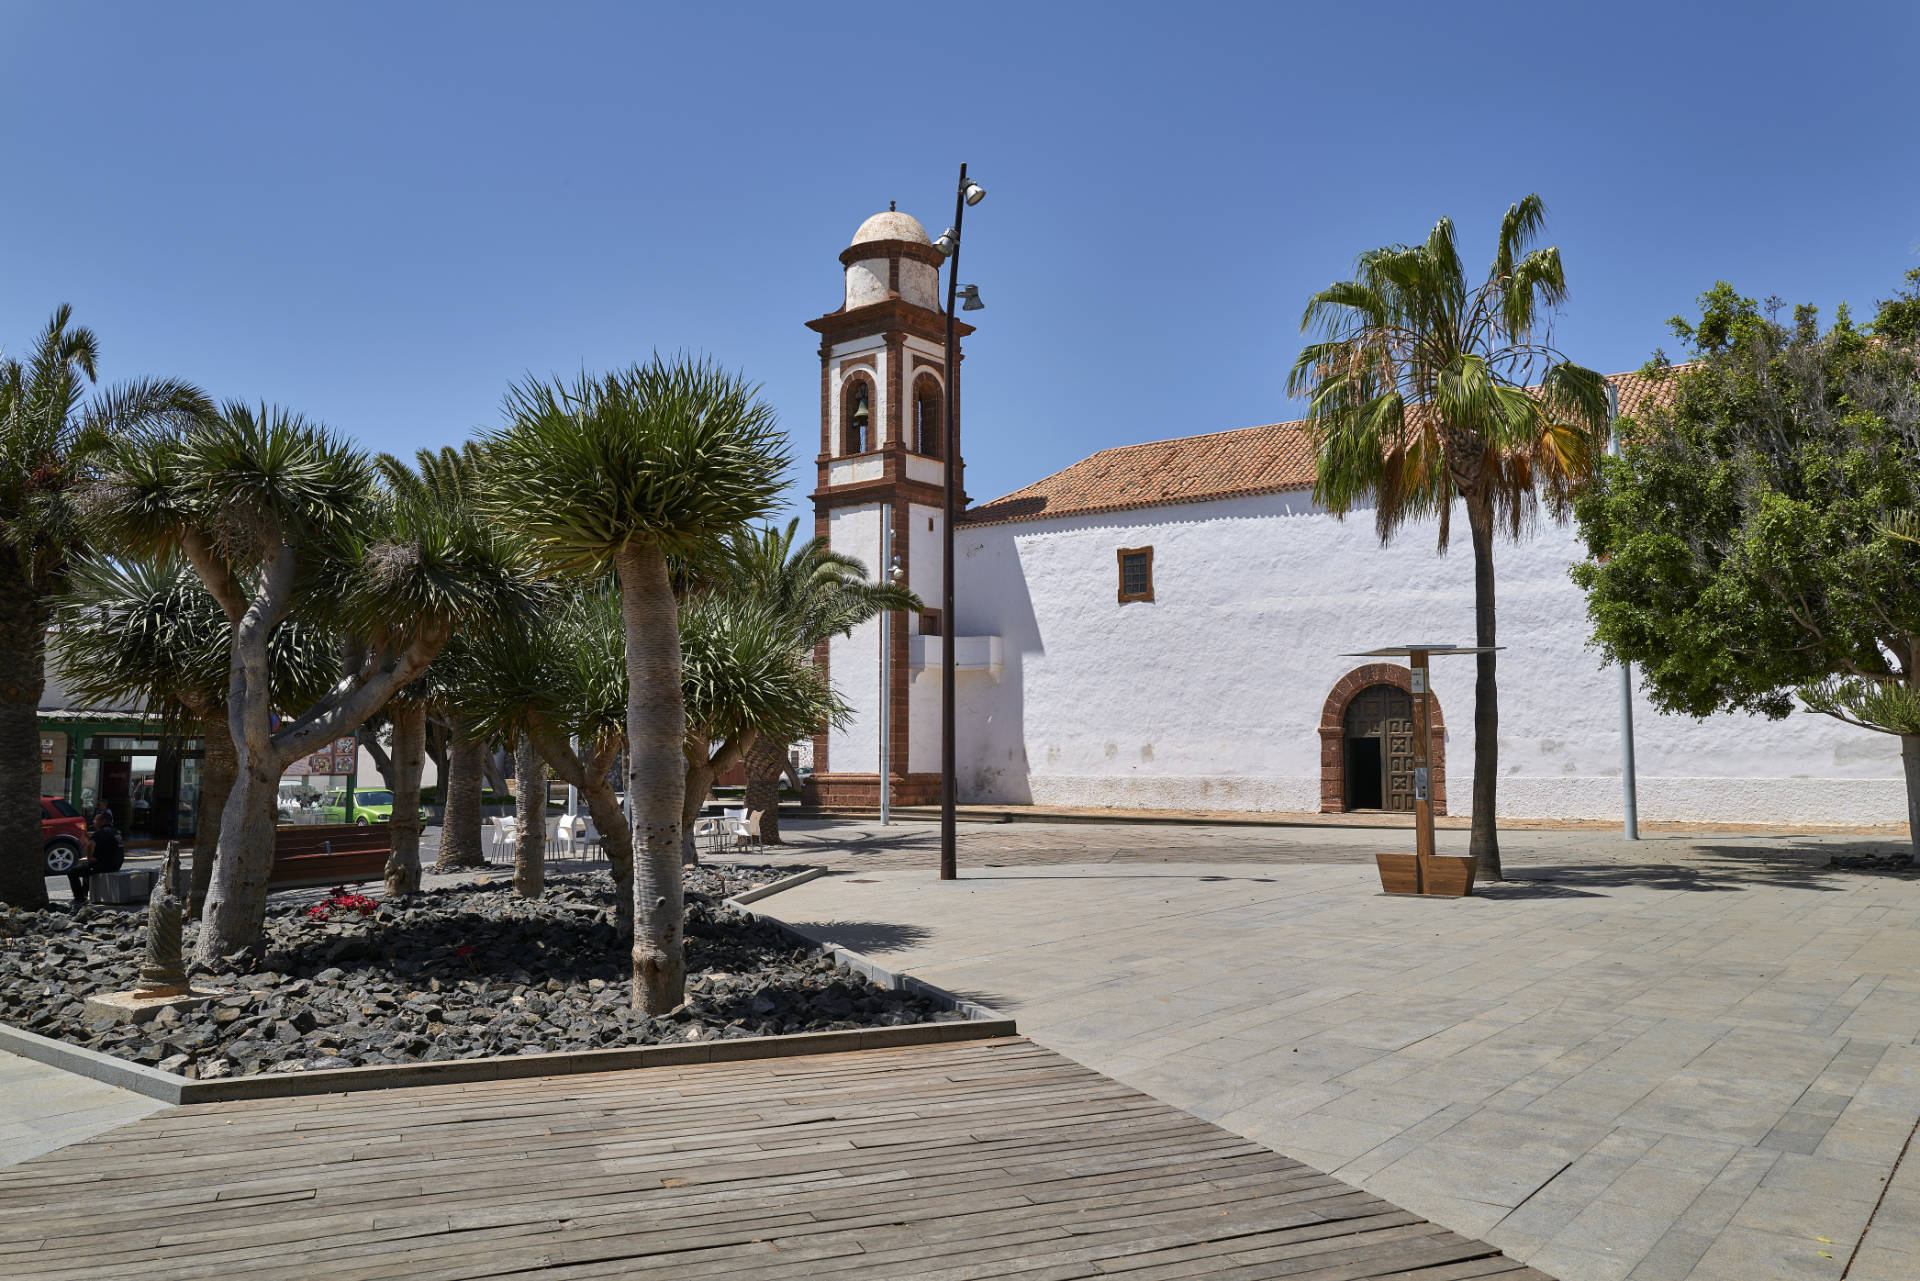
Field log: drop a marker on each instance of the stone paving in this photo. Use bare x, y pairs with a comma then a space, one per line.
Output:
1692, 1058
43, 1109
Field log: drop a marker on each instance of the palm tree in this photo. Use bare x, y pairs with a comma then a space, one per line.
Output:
49, 431
530, 829
743, 680
559, 683
622, 472
148, 630
441, 489
278, 515
813, 592
1423, 388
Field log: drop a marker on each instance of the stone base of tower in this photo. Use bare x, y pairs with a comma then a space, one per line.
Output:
862, 791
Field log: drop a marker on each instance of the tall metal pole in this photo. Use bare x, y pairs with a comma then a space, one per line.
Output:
1629, 797
886, 669
949, 866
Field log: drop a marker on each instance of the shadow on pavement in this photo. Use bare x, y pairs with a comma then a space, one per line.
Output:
867, 936
968, 875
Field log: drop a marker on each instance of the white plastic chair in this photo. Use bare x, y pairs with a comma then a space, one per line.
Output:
742, 833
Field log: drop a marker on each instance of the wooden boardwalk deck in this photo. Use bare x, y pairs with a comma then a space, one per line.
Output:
974, 1160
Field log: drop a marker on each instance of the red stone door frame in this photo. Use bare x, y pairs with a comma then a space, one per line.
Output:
1333, 735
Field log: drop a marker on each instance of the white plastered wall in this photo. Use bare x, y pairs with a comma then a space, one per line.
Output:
1210, 696
867, 282
853, 661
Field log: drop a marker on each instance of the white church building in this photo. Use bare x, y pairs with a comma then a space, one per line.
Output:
1169, 626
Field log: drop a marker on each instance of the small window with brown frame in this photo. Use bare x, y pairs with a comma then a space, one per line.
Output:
930, 622
1136, 574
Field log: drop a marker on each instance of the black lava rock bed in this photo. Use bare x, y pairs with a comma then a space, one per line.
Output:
468, 972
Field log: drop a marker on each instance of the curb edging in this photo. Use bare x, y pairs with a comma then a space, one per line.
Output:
978, 1023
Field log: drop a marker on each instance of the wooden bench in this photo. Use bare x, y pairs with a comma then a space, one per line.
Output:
337, 854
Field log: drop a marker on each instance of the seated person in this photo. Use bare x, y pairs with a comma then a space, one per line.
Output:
106, 856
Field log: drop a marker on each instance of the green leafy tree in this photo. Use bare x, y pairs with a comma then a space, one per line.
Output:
1749, 551
1424, 388
149, 631
812, 592
278, 516
622, 472
50, 430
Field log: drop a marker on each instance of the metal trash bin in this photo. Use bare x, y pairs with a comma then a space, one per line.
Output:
129, 885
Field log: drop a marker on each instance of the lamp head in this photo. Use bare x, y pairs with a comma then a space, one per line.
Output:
970, 298
974, 194
948, 242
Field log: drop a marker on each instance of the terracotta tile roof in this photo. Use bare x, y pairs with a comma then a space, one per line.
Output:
1197, 469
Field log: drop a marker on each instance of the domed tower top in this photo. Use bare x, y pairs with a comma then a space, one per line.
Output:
891, 225
892, 257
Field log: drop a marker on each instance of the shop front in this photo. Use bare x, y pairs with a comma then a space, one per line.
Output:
151, 782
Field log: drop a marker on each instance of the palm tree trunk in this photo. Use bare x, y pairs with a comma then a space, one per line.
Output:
233, 919
656, 776
766, 761
409, 759
590, 776
437, 752
530, 805
23, 670
219, 767
616, 838
1484, 842
235, 915
699, 780
462, 821
491, 771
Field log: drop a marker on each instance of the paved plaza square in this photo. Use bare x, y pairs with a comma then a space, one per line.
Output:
1697, 1056
1690, 1057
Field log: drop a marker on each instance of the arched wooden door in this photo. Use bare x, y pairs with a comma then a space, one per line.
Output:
1379, 749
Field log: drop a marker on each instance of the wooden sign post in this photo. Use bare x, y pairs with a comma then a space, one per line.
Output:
1425, 871
1422, 793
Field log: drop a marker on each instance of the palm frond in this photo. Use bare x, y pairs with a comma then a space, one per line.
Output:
1418, 387
672, 453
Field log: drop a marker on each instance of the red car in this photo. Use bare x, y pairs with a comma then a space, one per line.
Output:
63, 834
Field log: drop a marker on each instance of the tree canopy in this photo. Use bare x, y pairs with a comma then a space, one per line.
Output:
1745, 550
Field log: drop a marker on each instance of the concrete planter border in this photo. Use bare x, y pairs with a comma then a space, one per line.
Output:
979, 1023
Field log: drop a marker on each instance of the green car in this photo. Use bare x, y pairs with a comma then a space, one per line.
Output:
370, 805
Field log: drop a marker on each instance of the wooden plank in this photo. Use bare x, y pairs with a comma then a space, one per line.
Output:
951, 1162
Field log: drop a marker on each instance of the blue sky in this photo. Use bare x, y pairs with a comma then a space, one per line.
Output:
383, 214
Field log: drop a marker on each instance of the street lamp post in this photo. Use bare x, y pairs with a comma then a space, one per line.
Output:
1629, 785
967, 193
886, 672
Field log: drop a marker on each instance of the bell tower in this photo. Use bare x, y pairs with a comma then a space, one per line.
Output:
882, 469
